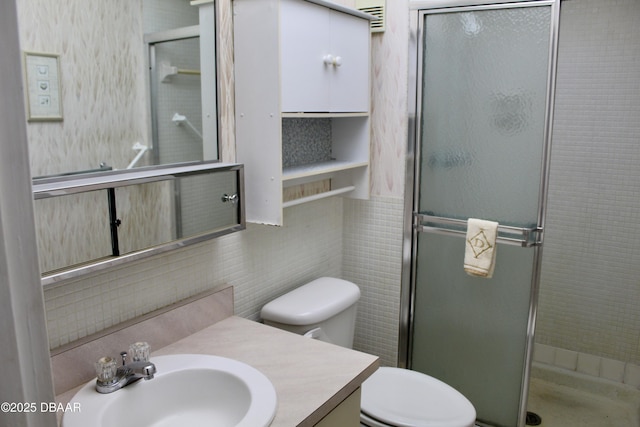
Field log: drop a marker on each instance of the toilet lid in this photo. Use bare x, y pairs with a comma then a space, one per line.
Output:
405, 398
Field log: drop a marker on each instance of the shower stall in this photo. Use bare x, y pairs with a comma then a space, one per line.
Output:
479, 137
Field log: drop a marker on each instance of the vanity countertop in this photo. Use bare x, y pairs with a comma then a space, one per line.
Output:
311, 377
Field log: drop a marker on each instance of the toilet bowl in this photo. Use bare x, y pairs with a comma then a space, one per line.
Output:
325, 309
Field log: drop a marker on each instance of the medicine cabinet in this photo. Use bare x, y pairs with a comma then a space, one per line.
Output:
91, 222
302, 76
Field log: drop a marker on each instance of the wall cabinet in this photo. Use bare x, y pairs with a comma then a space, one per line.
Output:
302, 71
325, 66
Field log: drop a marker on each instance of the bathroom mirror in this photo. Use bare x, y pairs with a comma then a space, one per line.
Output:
132, 215
137, 82
139, 92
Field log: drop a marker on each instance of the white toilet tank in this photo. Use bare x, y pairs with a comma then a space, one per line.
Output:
324, 309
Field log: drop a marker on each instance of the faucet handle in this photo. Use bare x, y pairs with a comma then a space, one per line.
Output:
140, 351
106, 368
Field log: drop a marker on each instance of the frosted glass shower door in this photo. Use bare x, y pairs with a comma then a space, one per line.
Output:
483, 104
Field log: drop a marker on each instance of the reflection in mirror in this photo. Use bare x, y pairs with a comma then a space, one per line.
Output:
176, 101
117, 220
105, 52
69, 235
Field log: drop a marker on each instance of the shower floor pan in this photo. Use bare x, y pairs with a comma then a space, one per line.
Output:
564, 398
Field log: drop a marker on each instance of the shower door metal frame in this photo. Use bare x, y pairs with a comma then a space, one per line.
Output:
418, 11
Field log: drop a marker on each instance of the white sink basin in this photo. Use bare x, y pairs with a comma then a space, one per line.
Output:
188, 390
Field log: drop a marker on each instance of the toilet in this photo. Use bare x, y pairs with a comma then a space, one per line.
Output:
325, 309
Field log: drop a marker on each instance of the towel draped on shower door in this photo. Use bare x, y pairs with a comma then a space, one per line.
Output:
480, 247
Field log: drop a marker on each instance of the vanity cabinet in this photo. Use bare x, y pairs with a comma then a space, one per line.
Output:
347, 413
302, 77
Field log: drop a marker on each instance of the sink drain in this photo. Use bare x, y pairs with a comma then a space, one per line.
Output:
533, 419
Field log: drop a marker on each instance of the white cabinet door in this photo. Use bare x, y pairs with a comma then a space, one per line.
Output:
350, 75
324, 59
304, 43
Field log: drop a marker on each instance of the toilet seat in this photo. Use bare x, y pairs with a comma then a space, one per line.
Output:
404, 398
366, 421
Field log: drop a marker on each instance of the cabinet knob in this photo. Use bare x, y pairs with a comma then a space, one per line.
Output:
336, 61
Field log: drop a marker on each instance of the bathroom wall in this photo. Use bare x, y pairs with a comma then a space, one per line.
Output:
357, 240
589, 291
261, 263
588, 297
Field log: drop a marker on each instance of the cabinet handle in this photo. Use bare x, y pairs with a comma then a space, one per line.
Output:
336, 61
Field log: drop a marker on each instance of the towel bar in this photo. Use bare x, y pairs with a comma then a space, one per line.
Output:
517, 236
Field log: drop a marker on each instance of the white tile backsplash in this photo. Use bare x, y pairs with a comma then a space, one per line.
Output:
361, 242
373, 260
261, 263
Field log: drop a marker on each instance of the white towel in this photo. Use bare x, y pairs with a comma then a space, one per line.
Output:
480, 247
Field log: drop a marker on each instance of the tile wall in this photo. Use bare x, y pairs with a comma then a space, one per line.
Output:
261, 262
589, 290
372, 259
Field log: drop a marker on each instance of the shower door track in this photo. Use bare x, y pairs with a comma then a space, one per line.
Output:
412, 218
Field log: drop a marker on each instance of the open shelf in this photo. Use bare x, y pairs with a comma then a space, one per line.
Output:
303, 171
303, 115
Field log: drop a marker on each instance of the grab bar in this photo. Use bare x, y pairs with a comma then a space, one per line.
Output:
516, 236
166, 70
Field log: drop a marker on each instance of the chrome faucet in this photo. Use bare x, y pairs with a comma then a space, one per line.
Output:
112, 378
